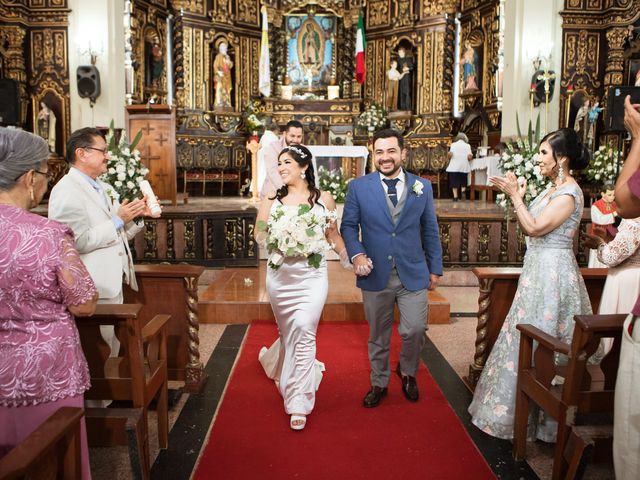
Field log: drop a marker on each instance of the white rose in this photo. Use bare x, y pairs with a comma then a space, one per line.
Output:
117, 183
112, 171
122, 176
120, 168
130, 184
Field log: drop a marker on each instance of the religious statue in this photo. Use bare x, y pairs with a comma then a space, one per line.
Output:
311, 45
636, 83
222, 77
405, 65
47, 126
156, 64
469, 62
592, 116
581, 118
393, 79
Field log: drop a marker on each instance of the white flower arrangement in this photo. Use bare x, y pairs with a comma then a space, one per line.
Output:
522, 160
296, 232
125, 171
334, 183
373, 118
605, 165
417, 187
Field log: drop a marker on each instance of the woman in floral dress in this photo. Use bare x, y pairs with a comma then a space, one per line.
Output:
297, 284
43, 286
550, 290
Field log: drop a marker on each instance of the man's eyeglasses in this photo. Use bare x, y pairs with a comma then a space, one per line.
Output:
103, 151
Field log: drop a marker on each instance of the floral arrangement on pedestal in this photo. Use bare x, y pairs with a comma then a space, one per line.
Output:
373, 118
605, 165
521, 158
296, 232
333, 181
254, 116
125, 171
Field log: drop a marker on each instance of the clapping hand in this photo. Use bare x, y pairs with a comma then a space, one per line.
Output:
632, 117
130, 210
362, 265
593, 241
509, 184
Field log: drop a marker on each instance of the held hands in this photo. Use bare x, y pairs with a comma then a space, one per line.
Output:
362, 265
509, 185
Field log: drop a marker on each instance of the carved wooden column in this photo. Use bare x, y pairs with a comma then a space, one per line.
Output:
15, 68
615, 60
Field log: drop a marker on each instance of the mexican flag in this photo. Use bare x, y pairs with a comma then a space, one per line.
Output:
360, 44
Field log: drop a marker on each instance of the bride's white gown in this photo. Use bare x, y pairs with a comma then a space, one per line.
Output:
297, 292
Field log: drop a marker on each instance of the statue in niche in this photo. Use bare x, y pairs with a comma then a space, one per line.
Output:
47, 126
393, 80
469, 62
156, 62
581, 118
222, 65
405, 95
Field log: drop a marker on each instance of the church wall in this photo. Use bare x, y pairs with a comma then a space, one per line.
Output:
95, 25
532, 28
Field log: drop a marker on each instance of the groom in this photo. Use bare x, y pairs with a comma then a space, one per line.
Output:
398, 258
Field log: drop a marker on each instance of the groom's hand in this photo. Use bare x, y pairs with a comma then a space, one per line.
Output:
433, 281
362, 265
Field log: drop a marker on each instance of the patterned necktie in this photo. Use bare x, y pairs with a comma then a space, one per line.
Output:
391, 189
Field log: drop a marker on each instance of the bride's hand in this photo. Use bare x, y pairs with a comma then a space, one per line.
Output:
344, 260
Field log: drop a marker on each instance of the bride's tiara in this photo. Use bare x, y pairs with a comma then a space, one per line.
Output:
299, 151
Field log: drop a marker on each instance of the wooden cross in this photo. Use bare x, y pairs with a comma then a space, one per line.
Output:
147, 129
161, 139
147, 155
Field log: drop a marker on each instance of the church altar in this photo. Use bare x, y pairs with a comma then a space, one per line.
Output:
482, 168
333, 156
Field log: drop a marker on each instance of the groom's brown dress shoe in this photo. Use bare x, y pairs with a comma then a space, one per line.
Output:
374, 396
409, 386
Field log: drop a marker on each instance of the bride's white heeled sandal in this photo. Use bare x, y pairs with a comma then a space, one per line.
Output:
297, 422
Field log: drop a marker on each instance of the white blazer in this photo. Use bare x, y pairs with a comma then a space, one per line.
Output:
103, 249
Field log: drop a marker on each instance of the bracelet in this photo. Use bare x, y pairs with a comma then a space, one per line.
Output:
515, 210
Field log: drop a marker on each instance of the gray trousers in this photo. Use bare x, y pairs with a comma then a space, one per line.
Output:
378, 310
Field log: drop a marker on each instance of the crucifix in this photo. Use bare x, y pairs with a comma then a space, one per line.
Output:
147, 128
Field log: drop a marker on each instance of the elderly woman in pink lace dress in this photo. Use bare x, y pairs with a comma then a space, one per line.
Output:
43, 285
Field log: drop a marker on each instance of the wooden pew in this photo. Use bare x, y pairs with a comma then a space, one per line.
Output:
51, 451
173, 290
587, 389
497, 289
139, 375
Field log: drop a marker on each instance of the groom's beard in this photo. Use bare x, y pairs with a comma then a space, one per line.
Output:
388, 174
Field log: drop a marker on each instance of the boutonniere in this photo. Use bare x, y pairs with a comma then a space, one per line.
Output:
417, 187
112, 194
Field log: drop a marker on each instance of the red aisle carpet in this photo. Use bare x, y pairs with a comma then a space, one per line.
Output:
251, 437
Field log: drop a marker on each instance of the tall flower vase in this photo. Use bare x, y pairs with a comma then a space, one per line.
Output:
370, 132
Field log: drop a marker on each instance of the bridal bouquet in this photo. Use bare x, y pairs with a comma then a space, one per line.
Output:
125, 171
296, 233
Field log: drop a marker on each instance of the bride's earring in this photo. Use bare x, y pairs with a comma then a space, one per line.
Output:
302, 175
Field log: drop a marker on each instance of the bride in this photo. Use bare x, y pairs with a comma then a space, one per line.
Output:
297, 214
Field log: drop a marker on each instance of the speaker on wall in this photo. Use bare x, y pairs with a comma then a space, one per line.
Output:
88, 79
9, 102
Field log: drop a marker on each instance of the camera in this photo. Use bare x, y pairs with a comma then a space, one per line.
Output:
614, 114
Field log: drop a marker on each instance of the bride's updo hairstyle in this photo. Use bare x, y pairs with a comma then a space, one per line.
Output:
566, 143
303, 158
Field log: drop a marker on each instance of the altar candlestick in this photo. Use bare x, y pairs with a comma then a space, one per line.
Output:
568, 105
532, 91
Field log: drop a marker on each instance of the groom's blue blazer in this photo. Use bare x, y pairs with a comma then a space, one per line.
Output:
413, 243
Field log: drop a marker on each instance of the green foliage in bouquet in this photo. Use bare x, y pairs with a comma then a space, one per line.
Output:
373, 118
605, 165
125, 171
521, 158
334, 183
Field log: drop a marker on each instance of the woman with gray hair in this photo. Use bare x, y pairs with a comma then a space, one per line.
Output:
43, 285
458, 169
